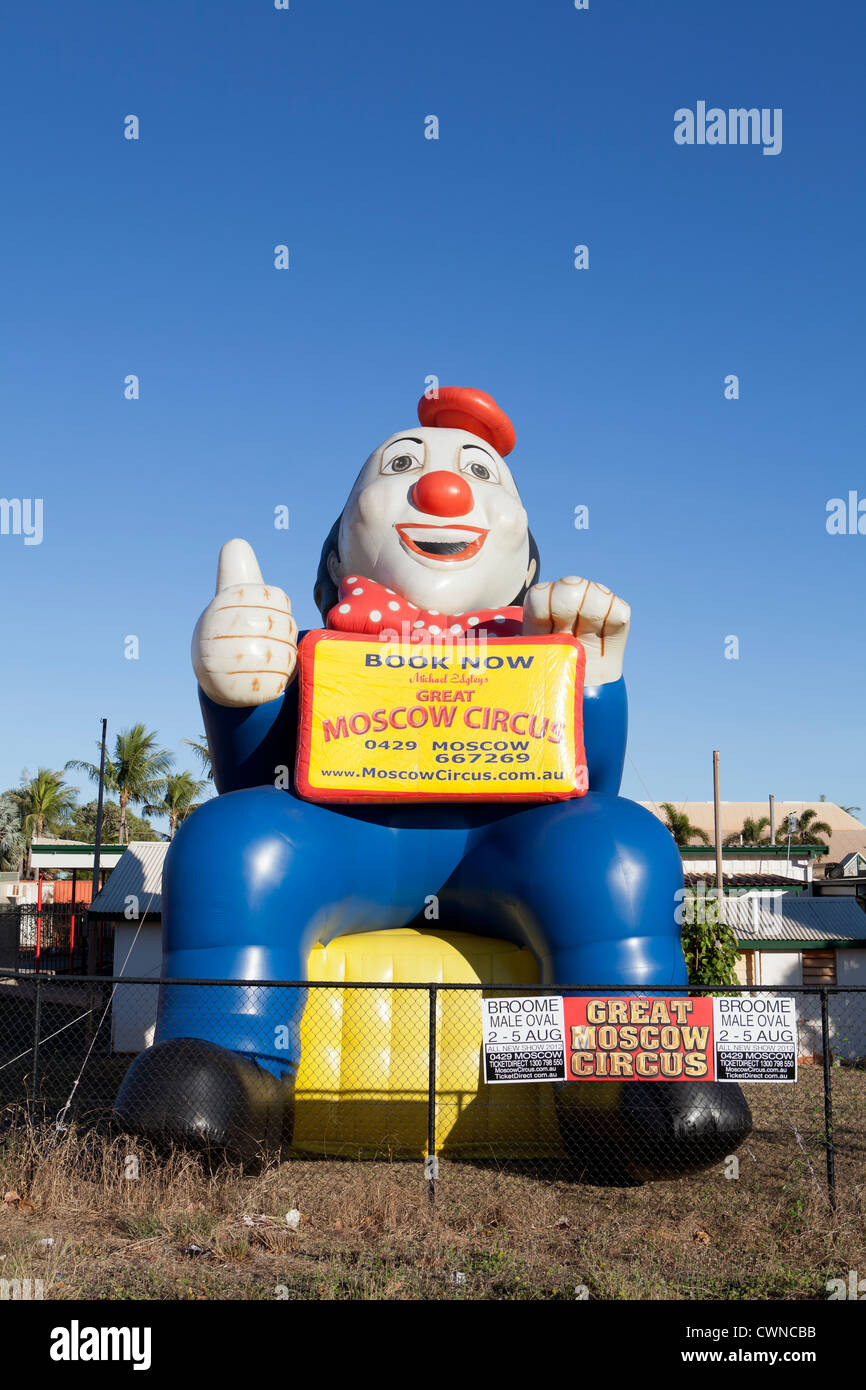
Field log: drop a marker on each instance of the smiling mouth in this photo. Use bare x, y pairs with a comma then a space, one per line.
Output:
446, 542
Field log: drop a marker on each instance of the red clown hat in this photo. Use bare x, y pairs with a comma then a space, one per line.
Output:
462, 408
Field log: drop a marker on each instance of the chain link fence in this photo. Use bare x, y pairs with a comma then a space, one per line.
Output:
397, 1072
57, 938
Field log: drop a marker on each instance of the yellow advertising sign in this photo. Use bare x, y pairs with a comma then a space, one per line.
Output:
491, 720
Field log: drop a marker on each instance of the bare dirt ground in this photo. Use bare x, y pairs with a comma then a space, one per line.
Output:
100, 1217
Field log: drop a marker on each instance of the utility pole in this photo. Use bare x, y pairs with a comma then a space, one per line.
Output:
91, 937
772, 819
717, 815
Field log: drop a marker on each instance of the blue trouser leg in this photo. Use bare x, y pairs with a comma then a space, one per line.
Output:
589, 884
253, 881
593, 885
256, 878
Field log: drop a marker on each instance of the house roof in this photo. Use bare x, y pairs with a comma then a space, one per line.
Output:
692, 880
852, 860
810, 921
72, 854
138, 874
847, 833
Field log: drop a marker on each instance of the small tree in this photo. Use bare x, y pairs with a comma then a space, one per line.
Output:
11, 836
136, 772
709, 944
44, 804
178, 799
200, 747
751, 833
83, 825
681, 827
809, 831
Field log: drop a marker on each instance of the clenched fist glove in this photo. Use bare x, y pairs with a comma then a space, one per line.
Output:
245, 644
589, 612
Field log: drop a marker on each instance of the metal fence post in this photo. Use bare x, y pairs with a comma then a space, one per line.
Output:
431, 1162
37, 1028
828, 1102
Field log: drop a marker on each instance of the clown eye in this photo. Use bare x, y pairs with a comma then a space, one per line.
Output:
478, 464
402, 456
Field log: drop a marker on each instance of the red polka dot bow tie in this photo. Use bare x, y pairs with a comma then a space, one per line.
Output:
366, 607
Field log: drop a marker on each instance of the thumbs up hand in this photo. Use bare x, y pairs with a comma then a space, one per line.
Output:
244, 648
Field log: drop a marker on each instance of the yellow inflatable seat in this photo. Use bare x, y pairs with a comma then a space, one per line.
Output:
363, 1080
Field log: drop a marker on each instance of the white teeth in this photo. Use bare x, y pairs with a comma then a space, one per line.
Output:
447, 534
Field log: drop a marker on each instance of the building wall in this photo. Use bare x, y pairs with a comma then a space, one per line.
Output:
847, 1013
133, 1008
851, 967
62, 890
787, 868
779, 968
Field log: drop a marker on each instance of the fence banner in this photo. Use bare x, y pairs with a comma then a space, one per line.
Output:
524, 1038
639, 1039
551, 1038
755, 1038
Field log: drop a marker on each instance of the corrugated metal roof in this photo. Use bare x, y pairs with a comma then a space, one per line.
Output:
139, 874
796, 919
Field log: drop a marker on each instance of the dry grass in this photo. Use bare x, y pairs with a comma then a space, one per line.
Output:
172, 1228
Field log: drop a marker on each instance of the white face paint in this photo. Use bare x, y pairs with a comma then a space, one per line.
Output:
456, 541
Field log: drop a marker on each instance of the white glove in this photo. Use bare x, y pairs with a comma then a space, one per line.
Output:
589, 612
245, 644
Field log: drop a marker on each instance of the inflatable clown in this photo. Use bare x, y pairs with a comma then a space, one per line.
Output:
433, 541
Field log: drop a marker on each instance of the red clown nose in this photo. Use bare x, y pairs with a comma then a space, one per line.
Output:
464, 408
442, 494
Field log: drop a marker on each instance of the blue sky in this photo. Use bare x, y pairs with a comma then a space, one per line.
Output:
409, 257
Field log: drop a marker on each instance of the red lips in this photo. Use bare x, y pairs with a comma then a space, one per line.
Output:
443, 548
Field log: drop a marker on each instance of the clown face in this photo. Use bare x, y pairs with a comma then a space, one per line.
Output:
435, 515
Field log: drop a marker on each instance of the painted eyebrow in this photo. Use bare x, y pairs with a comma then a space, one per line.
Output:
405, 438
480, 447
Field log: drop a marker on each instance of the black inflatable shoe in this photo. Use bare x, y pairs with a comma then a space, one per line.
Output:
197, 1094
629, 1132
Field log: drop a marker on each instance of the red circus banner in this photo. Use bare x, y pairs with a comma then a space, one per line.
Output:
655, 1039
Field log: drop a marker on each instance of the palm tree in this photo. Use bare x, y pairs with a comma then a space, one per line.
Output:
681, 827
751, 833
11, 837
179, 792
137, 772
200, 748
809, 830
44, 803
